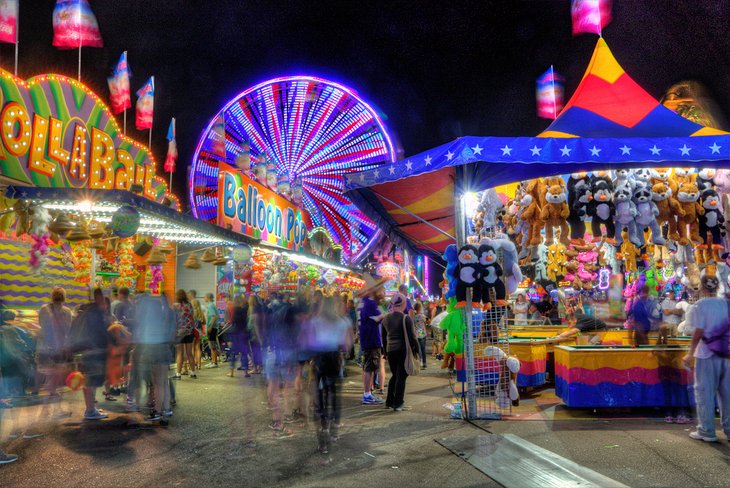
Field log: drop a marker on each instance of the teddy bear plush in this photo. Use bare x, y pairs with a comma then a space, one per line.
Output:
628, 253
647, 213
668, 208
555, 212
688, 196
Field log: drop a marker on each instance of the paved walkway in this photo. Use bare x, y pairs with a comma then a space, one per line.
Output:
205, 444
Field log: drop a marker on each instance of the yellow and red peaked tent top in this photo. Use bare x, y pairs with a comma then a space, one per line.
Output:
609, 103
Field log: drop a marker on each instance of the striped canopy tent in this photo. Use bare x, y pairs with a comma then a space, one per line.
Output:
609, 122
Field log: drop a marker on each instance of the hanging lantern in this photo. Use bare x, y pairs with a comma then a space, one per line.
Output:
22, 224
192, 262
61, 225
166, 247
208, 256
78, 233
112, 244
220, 258
156, 257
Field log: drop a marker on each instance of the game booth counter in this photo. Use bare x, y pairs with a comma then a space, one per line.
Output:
619, 192
82, 205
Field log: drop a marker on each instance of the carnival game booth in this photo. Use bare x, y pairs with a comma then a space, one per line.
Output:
82, 205
610, 127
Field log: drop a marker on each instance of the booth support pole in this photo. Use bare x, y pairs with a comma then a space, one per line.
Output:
460, 214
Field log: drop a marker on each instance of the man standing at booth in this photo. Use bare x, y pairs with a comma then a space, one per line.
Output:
370, 339
710, 316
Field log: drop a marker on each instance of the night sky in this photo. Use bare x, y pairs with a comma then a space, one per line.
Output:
435, 70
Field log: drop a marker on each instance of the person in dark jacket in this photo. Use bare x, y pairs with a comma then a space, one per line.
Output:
398, 336
239, 335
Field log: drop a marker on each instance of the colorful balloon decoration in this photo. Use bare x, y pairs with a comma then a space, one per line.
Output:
125, 221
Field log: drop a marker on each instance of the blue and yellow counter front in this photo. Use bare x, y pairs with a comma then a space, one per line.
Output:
621, 376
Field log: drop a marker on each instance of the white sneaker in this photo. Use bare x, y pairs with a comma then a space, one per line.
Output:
7, 458
95, 415
697, 436
211, 365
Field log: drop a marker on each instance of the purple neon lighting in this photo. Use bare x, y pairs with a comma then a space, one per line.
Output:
311, 128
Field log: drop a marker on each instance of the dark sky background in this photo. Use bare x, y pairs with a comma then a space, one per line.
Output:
436, 70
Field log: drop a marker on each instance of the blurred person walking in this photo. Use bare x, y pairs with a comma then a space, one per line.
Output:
329, 337
398, 334
89, 337
156, 333
239, 336
52, 349
255, 319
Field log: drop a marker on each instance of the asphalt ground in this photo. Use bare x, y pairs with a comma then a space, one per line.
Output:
204, 445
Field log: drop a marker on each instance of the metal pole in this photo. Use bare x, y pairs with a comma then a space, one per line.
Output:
17, 35
460, 214
125, 122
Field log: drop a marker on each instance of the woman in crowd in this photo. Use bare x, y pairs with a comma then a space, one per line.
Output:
398, 334
521, 308
199, 318
185, 325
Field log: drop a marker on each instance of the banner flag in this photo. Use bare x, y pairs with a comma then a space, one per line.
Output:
171, 148
550, 91
119, 94
75, 26
9, 21
590, 16
145, 105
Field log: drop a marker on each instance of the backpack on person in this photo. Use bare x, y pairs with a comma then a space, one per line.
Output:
719, 341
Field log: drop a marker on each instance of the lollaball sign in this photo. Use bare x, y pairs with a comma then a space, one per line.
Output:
55, 132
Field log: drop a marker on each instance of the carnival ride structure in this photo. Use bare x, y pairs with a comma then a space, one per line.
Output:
312, 132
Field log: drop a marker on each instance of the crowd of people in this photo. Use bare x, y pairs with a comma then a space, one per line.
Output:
135, 348
138, 347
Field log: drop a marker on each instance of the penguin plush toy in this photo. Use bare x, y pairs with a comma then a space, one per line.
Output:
490, 276
468, 275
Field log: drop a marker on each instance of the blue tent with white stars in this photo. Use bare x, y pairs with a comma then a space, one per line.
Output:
609, 122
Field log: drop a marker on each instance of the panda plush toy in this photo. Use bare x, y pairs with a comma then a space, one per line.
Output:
601, 208
711, 221
578, 187
491, 273
468, 275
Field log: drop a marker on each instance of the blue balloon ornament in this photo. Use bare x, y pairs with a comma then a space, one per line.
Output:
125, 221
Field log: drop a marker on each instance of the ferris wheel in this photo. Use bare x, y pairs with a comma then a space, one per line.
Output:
313, 131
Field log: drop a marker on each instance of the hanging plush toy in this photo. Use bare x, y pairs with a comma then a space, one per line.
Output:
468, 275
712, 221
556, 260
628, 253
454, 326
642, 177
555, 212
625, 217
688, 196
452, 264
601, 208
647, 213
523, 229
490, 272
668, 208
684, 175
490, 205
578, 187
705, 179
624, 177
